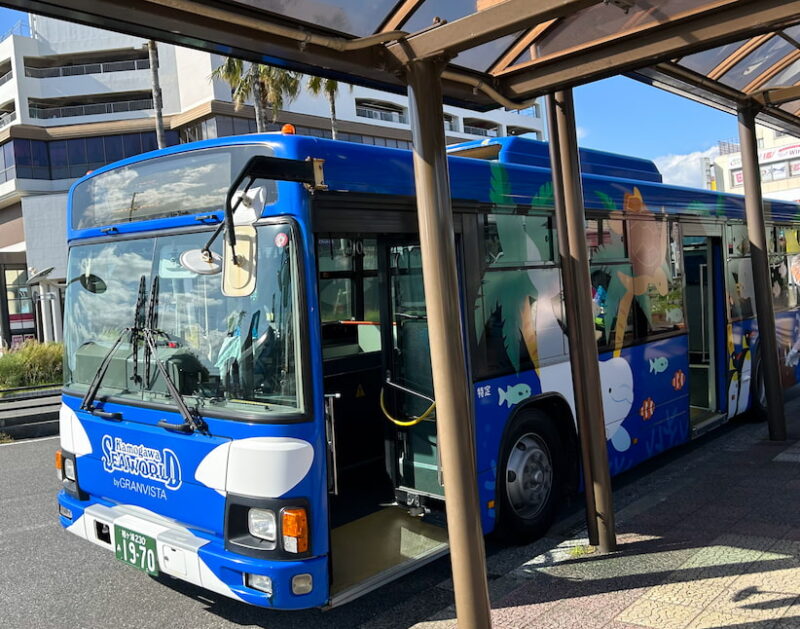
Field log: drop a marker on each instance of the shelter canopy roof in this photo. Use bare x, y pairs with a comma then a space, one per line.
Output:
508, 51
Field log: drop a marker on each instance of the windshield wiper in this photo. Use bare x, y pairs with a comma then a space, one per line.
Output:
87, 404
191, 422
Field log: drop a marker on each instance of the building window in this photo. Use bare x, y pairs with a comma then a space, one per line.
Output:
68, 159
379, 110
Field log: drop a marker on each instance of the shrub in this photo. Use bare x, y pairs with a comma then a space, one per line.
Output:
32, 364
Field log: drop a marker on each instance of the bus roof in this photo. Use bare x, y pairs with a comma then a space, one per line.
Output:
517, 176
530, 152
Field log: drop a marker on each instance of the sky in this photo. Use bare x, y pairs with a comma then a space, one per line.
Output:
621, 115
625, 116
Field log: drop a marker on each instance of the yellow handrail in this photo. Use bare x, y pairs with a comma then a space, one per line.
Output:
400, 422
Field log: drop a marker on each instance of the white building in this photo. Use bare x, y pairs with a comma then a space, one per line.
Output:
778, 157
73, 98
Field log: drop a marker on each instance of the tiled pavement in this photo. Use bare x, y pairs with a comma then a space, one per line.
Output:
709, 539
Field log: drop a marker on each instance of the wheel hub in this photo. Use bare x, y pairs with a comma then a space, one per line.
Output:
529, 476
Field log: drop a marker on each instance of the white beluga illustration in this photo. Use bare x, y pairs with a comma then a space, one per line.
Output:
616, 380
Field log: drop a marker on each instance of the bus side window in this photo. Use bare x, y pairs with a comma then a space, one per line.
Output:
518, 310
644, 286
739, 280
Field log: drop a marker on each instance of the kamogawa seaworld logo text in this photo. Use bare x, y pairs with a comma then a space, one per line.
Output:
161, 466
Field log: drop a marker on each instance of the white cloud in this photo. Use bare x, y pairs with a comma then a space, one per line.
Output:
581, 132
685, 170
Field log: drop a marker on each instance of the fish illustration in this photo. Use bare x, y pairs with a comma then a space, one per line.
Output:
658, 365
513, 395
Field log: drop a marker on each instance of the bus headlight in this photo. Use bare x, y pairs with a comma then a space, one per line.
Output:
69, 468
262, 524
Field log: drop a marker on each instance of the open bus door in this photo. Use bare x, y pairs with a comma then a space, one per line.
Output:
376, 363
705, 309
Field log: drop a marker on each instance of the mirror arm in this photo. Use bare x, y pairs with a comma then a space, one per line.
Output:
206, 249
230, 209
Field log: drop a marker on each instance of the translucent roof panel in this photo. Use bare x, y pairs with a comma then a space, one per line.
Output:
790, 75
352, 17
704, 62
607, 21
483, 57
754, 64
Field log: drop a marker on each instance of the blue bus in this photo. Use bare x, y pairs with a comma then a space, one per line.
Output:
248, 401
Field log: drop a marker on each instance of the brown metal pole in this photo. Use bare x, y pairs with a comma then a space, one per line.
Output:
450, 381
756, 231
571, 226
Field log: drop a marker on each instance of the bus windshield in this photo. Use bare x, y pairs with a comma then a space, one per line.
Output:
229, 354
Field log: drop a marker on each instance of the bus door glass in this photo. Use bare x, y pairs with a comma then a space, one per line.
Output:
409, 386
703, 264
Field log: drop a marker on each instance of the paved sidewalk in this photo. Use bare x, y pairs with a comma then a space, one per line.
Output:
709, 539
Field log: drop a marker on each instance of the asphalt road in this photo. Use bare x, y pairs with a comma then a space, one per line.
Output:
50, 578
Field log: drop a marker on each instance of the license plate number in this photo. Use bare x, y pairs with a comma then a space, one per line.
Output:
136, 550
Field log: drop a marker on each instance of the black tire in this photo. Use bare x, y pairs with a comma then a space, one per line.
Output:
530, 478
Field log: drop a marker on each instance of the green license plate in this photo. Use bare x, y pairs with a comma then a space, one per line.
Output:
136, 549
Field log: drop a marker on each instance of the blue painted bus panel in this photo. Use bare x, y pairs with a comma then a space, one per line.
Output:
645, 402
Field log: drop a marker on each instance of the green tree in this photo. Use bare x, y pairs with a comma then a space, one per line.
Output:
271, 88
329, 88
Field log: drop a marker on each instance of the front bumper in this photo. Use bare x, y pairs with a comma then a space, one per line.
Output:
196, 557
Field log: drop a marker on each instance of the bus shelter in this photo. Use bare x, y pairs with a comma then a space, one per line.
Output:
742, 56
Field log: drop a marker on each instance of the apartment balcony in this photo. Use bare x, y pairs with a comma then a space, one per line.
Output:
481, 127
379, 110
5, 78
6, 118
87, 68
93, 109
450, 123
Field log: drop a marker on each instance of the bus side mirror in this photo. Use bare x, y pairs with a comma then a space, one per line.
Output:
239, 280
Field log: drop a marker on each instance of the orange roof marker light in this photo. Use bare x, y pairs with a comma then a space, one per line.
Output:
288, 129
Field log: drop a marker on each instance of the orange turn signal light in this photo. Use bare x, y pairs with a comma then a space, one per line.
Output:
294, 526
59, 460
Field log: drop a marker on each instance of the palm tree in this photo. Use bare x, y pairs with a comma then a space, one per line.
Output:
152, 51
317, 86
270, 87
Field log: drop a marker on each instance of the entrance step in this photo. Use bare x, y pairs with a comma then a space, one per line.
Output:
703, 420
373, 550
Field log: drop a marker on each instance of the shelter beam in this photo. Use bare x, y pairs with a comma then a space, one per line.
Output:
762, 284
648, 47
571, 226
483, 26
445, 328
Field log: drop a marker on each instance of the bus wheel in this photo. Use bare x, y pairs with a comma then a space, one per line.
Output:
529, 478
